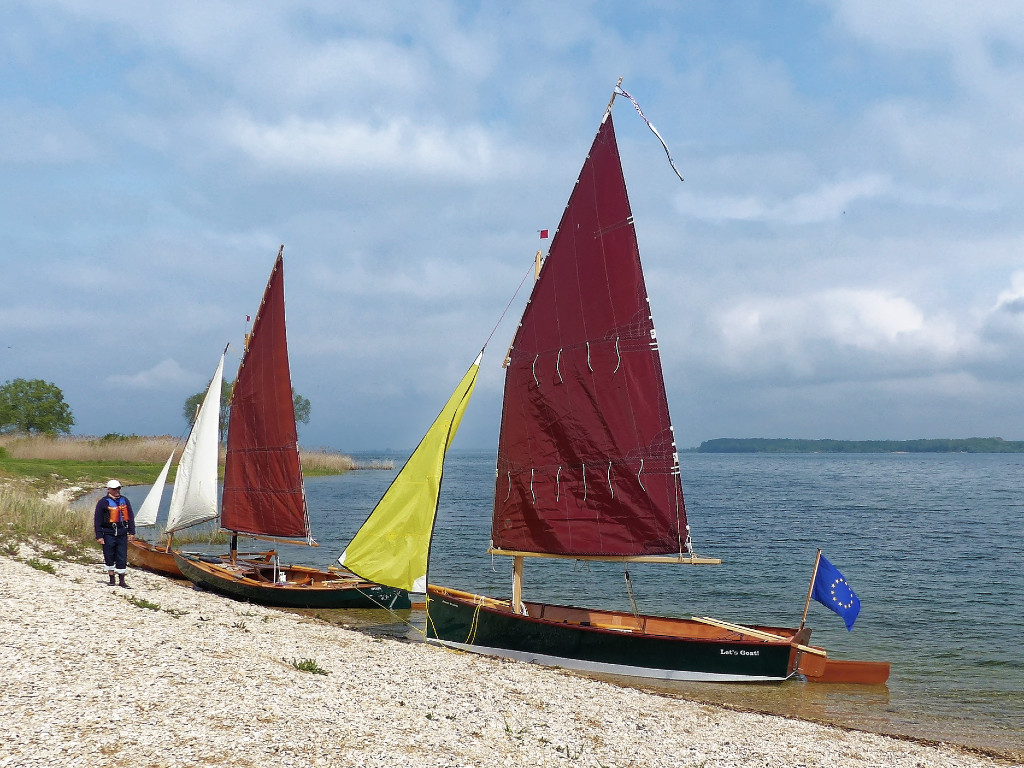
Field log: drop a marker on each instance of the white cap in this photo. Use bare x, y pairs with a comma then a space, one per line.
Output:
113, 484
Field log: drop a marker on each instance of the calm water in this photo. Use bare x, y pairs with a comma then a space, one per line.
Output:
926, 541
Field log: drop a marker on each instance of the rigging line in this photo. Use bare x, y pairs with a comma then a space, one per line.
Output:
654, 130
632, 599
474, 625
507, 306
390, 609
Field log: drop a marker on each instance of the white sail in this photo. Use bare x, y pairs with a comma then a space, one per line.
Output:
148, 511
194, 499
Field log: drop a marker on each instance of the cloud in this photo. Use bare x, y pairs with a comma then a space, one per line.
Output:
825, 203
166, 374
854, 333
35, 135
328, 146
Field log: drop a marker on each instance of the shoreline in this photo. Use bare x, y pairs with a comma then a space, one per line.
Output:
164, 674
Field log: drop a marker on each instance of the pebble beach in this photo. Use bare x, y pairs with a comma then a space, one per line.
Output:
164, 675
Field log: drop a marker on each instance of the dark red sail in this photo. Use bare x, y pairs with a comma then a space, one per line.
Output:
587, 461
263, 493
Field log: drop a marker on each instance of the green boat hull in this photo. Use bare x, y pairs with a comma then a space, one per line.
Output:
314, 589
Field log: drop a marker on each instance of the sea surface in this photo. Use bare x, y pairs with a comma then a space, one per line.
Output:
930, 543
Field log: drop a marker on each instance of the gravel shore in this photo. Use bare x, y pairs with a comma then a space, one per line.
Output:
165, 675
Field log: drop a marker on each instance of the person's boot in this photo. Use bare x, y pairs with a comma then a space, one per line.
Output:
111, 574
122, 582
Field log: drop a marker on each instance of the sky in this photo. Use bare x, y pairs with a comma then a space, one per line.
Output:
845, 258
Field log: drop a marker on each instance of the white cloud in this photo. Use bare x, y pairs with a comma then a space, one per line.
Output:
932, 25
819, 334
31, 134
339, 144
166, 374
825, 203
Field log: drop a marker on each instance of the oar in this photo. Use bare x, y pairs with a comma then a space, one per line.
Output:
756, 633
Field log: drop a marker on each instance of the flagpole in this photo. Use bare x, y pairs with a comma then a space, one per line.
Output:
810, 589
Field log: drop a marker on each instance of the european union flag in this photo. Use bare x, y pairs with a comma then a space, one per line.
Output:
832, 591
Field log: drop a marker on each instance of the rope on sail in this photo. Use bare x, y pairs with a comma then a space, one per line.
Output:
654, 130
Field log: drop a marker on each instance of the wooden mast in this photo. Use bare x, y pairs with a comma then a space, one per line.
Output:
810, 589
517, 558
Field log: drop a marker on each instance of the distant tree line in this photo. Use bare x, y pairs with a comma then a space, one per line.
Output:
787, 445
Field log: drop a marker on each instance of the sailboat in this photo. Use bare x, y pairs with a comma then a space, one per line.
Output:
263, 495
142, 553
587, 469
194, 495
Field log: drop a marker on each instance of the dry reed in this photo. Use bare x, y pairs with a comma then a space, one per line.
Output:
324, 462
149, 450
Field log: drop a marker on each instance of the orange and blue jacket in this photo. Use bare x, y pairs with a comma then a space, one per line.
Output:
114, 516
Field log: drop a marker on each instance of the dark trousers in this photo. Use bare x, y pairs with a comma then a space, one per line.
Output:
115, 552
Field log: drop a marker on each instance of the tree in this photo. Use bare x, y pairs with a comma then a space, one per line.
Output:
34, 405
302, 407
191, 408
301, 404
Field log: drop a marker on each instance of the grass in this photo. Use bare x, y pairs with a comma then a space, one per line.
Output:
39, 565
25, 517
309, 665
141, 602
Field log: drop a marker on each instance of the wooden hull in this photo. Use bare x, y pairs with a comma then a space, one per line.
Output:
304, 587
614, 643
151, 557
142, 554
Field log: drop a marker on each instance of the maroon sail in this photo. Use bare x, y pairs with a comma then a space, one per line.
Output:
263, 493
587, 461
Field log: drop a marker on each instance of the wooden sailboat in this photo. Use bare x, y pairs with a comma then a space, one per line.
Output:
142, 553
263, 494
194, 496
587, 469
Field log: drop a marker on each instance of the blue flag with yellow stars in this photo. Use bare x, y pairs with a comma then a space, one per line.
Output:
832, 591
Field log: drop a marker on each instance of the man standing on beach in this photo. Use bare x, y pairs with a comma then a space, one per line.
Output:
114, 521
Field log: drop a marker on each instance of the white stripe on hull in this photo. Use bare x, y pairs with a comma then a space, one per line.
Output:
608, 669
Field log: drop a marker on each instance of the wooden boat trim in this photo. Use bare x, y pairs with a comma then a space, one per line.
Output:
682, 559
